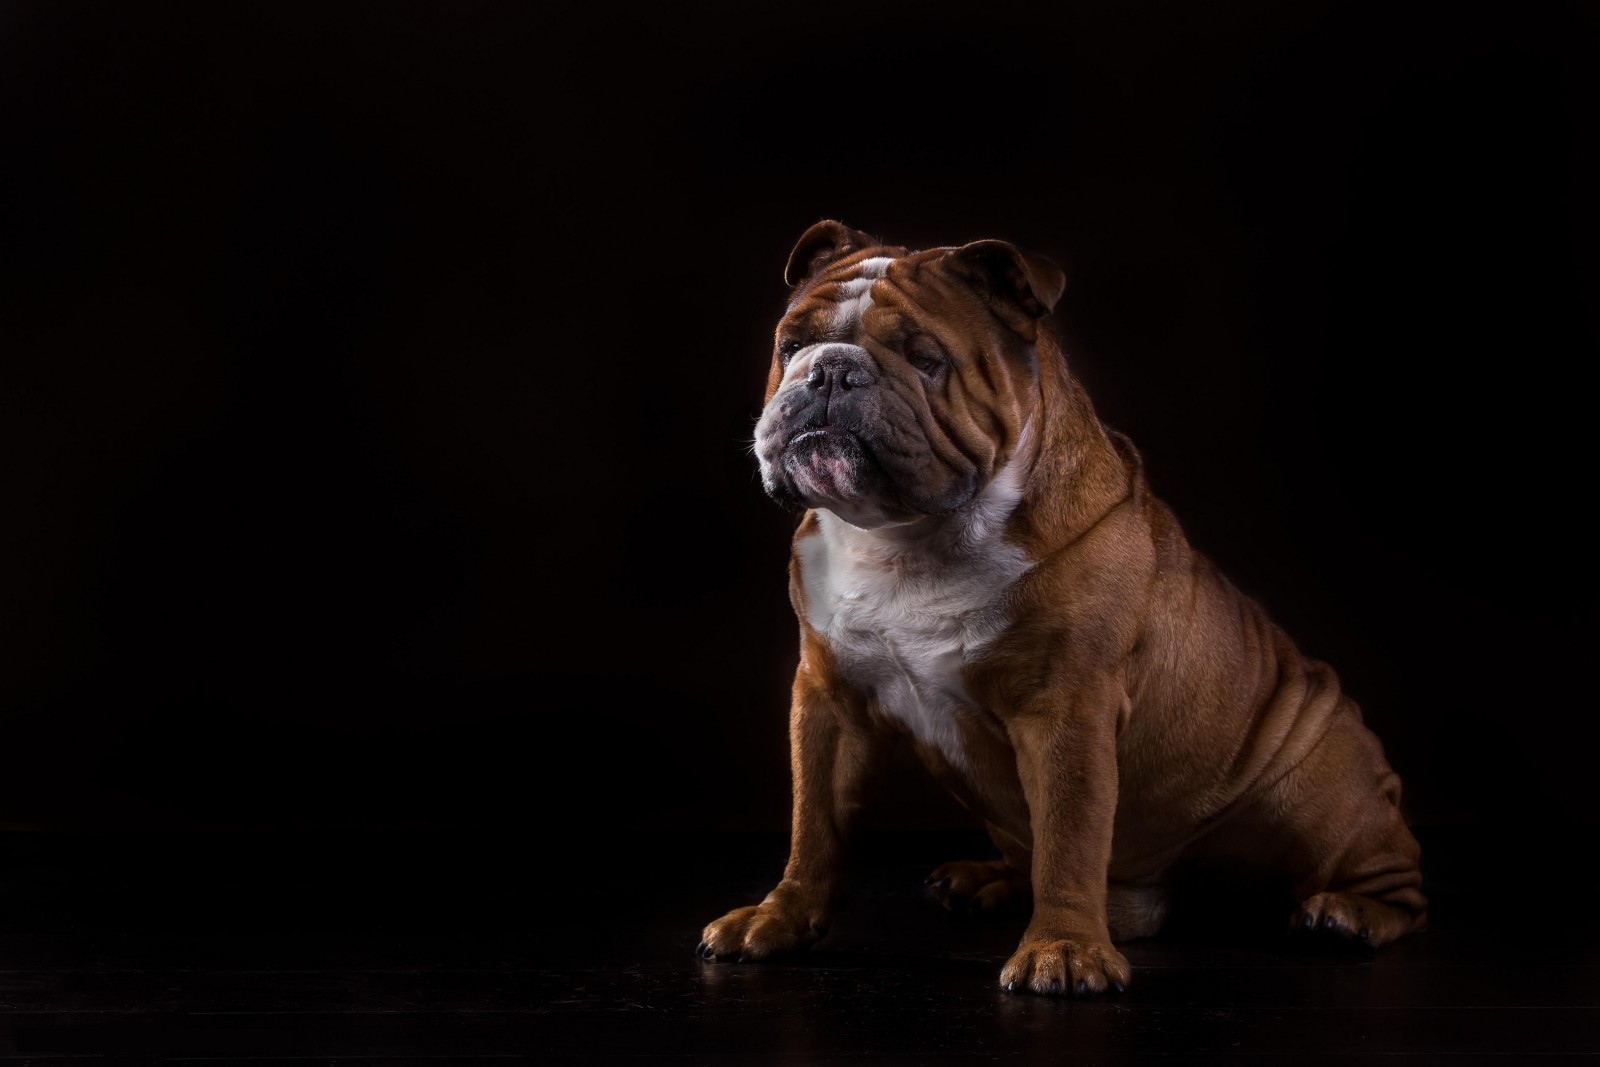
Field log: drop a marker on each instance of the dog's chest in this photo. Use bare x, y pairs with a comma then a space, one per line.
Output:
903, 625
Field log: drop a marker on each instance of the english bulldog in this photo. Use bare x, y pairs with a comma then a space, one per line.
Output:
980, 567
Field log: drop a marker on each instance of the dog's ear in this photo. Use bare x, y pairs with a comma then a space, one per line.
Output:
820, 245
1021, 286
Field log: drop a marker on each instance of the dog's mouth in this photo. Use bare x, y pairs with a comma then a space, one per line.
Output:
829, 437
830, 463
815, 433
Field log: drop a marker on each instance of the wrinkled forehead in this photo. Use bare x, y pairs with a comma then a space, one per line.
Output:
834, 302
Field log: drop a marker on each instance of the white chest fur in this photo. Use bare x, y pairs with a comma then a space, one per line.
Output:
902, 618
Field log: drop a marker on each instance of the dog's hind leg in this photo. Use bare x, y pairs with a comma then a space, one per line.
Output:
1373, 891
1360, 876
985, 885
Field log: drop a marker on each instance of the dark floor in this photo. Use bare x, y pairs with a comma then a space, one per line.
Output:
439, 947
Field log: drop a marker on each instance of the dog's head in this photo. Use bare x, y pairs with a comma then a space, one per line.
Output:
901, 381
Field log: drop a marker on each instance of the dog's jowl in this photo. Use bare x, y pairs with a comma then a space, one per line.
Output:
980, 568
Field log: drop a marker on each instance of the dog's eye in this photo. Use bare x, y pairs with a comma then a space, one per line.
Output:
787, 349
925, 354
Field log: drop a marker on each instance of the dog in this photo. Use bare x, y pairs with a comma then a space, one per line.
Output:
980, 567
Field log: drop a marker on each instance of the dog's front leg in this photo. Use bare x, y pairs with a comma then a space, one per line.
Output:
1067, 760
830, 753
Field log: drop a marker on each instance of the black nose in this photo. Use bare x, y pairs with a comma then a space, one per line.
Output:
843, 367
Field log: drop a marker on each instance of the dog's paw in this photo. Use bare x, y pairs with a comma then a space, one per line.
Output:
1334, 915
967, 886
760, 931
1350, 918
1065, 967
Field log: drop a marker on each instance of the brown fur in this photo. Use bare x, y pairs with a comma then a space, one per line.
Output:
1139, 717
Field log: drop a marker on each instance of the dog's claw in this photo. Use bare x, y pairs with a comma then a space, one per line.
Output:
700, 949
1011, 986
1083, 987
1055, 986
1118, 987
1309, 922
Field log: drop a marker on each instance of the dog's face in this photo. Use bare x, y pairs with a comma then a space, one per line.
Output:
901, 381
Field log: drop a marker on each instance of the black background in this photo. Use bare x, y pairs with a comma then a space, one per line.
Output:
378, 378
